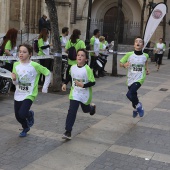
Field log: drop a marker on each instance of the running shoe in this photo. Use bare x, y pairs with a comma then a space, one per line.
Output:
67, 135
92, 109
24, 132
140, 109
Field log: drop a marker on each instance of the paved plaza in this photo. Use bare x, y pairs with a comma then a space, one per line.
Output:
109, 140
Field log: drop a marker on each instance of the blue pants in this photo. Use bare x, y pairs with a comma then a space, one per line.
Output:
72, 112
132, 94
22, 111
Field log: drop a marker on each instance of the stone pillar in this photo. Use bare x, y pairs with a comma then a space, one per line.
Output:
14, 14
4, 16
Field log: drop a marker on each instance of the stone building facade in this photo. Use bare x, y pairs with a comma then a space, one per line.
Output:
24, 15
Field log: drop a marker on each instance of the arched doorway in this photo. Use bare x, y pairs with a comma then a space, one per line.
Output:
110, 23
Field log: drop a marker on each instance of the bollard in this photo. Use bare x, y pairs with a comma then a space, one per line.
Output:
169, 52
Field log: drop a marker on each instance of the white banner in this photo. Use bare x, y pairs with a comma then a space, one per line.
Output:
154, 20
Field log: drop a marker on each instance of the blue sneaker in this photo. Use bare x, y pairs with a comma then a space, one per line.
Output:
135, 113
30, 120
140, 109
24, 132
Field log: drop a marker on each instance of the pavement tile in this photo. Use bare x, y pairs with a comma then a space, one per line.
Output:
36, 167
65, 160
98, 135
141, 153
116, 161
85, 147
120, 149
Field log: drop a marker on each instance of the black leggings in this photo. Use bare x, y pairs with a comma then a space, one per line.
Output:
22, 111
158, 58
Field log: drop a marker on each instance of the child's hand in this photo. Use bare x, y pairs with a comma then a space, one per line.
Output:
13, 75
126, 65
44, 90
79, 83
64, 87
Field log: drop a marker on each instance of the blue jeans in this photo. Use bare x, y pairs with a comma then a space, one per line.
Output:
132, 93
72, 112
22, 111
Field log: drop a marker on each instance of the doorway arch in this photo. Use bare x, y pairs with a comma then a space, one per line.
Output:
109, 24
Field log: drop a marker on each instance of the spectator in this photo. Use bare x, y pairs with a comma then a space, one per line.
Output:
43, 23
64, 39
77, 43
103, 54
95, 45
159, 50
9, 46
44, 50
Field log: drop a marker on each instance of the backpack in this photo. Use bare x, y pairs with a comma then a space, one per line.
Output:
1, 51
36, 49
72, 53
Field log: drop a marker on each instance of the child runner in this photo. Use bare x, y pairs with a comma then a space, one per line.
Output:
137, 64
81, 91
25, 76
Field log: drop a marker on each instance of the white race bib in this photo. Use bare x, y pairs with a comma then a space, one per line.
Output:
137, 68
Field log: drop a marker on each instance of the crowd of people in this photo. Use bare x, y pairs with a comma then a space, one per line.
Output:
26, 74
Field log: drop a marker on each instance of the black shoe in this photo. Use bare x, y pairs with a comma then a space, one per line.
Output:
93, 109
100, 75
67, 135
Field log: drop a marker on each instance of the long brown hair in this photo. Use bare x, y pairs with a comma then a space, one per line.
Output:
44, 34
76, 34
12, 36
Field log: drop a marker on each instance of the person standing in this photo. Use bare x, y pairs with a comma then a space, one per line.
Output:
25, 76
103, 53
95, 46
9, 46
42, 23
159, 49
81, 90
44, 50
64, 37
76, 42
136, 62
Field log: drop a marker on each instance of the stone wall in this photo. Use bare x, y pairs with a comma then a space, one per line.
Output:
14, 14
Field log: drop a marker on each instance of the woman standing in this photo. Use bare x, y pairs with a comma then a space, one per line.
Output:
9, 46
44, 50
159, 50
74, 41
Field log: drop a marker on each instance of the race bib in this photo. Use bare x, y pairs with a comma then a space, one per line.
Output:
24, 87
136, 68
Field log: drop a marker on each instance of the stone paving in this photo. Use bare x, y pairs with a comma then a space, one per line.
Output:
109, 140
